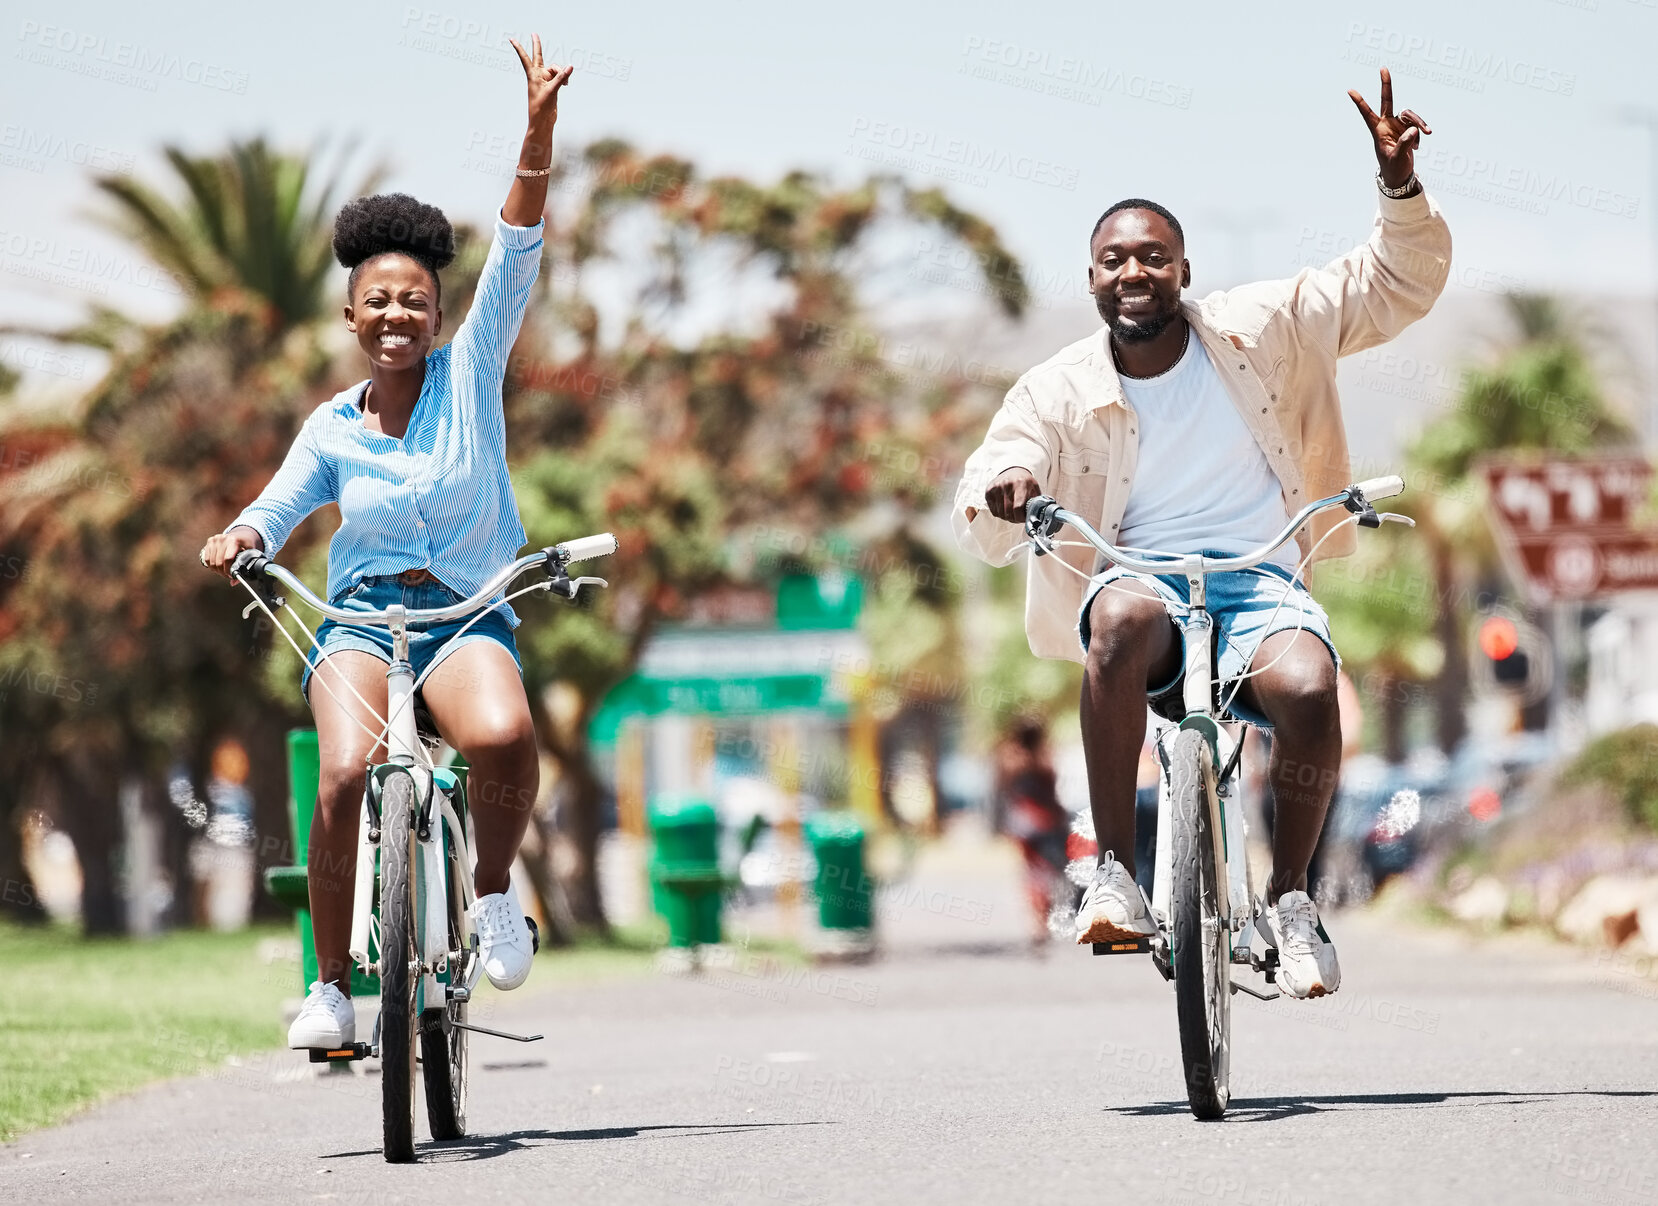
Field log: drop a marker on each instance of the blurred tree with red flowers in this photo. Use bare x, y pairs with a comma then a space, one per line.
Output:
704, 369
709, 378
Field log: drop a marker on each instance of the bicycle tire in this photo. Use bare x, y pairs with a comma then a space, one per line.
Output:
1202, 944
398, 953
443, 1049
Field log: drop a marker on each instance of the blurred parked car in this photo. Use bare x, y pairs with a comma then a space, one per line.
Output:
1385, 814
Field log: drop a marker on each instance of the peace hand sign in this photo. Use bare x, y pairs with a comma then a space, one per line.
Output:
1396, 137
544, 82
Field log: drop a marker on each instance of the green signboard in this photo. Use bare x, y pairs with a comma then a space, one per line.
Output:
640, 696
715, 671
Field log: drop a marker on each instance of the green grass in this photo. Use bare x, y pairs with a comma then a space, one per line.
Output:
87, 1019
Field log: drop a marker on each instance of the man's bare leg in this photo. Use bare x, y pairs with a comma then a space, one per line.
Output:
1132, 646
1298, 695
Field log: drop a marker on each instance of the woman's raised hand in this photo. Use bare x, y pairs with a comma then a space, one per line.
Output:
544, 82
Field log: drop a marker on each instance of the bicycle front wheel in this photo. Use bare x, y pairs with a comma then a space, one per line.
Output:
399, 959
1202, 942
443, 1045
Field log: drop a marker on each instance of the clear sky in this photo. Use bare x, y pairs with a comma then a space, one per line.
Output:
1036, 115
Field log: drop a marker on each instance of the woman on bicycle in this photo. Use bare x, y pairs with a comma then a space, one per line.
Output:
415, 458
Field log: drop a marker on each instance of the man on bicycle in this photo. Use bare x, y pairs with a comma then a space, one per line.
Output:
1197, 427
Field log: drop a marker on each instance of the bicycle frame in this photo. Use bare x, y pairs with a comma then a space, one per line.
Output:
1229, 828
435, 787
404, 750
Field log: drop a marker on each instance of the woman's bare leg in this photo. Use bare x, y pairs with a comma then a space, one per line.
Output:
477, 699
346, 753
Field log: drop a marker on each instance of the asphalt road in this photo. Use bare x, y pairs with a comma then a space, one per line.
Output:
957, 1069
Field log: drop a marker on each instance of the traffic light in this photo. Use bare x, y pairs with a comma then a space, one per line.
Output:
1499, 640
1511, 657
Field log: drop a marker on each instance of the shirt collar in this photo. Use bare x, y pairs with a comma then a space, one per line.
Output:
348, 403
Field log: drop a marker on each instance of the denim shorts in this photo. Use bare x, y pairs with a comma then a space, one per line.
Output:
1242, 604
428, 643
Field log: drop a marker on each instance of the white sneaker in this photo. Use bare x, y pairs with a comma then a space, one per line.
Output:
1307, 964
1113, 908
504, 942
325, 1020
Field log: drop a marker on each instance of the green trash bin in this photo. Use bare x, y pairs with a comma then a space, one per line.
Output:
289, 885
844, 890
686, 884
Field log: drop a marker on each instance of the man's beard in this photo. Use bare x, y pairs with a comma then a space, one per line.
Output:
1139, 330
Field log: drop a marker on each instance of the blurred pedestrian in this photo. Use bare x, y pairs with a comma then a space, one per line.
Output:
1027, 809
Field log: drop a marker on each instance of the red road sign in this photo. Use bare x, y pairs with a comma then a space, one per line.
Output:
1566, 525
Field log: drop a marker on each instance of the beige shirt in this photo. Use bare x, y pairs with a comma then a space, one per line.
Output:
1274, 344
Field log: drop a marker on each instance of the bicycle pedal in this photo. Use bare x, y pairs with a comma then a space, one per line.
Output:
323, 1055
1267, 964
1138, 946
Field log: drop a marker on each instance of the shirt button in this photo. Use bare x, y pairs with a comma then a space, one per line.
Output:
1274, 397
420, 523
1240, 368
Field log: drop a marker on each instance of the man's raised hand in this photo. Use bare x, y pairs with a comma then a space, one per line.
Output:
1396, 137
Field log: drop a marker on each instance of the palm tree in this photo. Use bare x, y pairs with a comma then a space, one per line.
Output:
1381, 607
191, 418
250, 219
1542, 393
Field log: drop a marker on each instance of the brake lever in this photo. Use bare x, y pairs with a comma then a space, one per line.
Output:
566, 587
255, 561
1359, 505
1392, 517
1039, 523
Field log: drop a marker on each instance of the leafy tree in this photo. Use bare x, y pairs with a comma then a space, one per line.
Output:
691, 430
124, 659
698, 429
1542, 393
1381, 606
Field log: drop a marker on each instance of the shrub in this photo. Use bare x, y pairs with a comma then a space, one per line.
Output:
1626, 764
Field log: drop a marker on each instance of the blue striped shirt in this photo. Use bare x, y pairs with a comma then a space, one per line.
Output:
440, 497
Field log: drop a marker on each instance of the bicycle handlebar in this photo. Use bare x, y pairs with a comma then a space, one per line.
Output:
587, 546
1380, 487
555, 557
1043, 515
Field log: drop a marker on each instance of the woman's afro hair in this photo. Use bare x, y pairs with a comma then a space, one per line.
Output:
371, 226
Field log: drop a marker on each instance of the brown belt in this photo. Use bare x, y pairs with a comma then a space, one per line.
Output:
417, 577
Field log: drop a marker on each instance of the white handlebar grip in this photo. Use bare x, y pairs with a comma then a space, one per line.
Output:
1381, 487
588, 546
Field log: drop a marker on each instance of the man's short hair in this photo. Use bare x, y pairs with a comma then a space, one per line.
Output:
1140, 203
